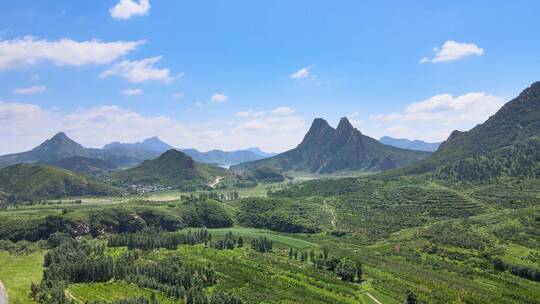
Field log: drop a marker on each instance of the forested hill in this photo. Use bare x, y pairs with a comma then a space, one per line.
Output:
28, 182
327, 150
173, 168
506, 144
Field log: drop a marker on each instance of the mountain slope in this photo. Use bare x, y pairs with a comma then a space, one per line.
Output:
173, 168
517, 121
84, 165
37, 182
410, 144
147, 149
58, 147
327, 150
223, 157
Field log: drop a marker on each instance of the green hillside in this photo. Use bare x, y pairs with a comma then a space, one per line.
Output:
327, 150
38, 182
84, 165
173, 168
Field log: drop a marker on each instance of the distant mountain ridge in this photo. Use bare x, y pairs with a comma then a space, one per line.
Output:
410, 144
223, 157
122, 155
327, 150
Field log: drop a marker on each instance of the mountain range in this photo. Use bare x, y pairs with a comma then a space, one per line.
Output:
410, 144
117, 155
327, 150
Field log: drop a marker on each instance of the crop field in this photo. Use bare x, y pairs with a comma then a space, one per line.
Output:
111, 291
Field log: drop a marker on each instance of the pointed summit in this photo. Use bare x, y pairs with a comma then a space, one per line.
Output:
327, 150
319, 123
344, 124
60, 136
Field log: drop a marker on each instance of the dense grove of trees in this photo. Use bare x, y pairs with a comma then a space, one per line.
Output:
78, 261
261, 244
155, 239
345, 268
117, 219
525, 271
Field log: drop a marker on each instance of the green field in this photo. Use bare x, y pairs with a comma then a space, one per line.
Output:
18, 272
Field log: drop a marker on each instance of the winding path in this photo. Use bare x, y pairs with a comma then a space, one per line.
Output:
212, 184
327, 206
373, 298
3, 294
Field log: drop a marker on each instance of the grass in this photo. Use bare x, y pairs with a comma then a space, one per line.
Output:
18, 272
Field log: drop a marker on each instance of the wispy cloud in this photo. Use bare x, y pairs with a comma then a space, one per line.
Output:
139, 71
283, 111
178, 95
131, 92
29, 50
452, 50
30, 90
219, 97
126, 9
302, 73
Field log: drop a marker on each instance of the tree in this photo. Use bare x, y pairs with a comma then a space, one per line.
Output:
411, 297
240, 242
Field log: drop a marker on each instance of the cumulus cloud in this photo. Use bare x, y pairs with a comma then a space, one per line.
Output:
302, 73
283, 111
452, 50
131, 92
30, 90
219, 97
435, 118
29, 50
139, 71
126, 9
25, 126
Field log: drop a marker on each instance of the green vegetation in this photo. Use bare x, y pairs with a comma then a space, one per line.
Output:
85, 165
172, 169
264, 174
18, 272
26, 182
286, 215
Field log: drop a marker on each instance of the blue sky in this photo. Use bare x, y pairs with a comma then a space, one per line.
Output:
236, 74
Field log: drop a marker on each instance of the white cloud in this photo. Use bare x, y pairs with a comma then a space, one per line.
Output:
25, 126
131, 92
199, 104
244, 113
452, 50
302, 73
283, 111
219, 97
30, 90
435, 118
177, 95
139, 71
126, 9
29, 50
